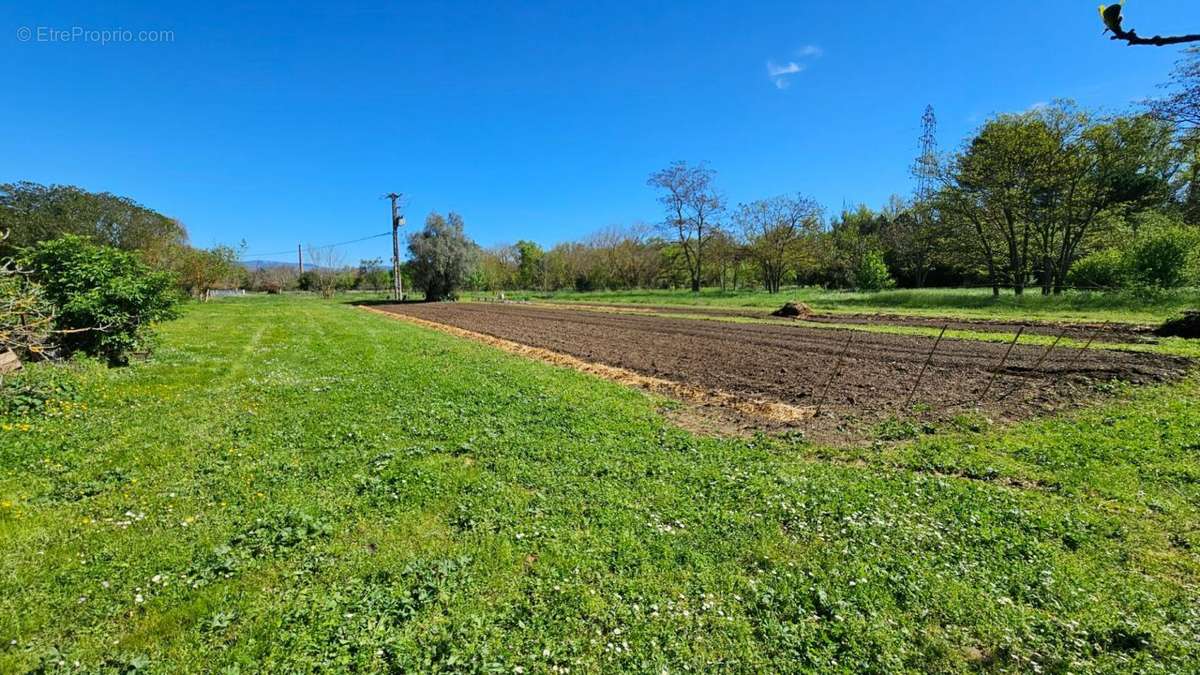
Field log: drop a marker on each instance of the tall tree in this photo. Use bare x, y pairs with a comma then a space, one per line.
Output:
776, 231
1036, 186
693, 210
442, 257
31, 213
530, 265
1181, 105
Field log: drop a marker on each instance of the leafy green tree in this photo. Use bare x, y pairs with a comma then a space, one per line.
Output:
1036, 188
779, 234
871, 273
530, 264
851, 236
442, 257
497, 269
200, 271
32, 213
915, 237
105, 299
371, 275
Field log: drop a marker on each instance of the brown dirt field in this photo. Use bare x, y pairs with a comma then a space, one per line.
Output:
739, 367
1112, 332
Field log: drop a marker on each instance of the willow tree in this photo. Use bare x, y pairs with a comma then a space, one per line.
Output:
442, 257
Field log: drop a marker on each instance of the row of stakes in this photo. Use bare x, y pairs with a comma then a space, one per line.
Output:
995, 370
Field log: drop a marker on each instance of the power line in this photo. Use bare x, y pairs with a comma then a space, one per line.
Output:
341, 243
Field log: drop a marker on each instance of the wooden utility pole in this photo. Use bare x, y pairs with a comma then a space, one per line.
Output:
397, 221
300, 258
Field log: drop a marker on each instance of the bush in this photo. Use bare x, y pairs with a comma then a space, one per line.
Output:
105, 299
1160, 255
872, 274
1102, 269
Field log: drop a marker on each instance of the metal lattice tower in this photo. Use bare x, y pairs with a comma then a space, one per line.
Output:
927, 161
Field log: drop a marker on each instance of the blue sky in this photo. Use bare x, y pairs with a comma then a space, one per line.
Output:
279, 123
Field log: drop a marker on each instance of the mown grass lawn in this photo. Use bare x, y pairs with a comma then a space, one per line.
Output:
975, 303
298, 485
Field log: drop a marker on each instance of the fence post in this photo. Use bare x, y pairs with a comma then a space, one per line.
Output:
1000, 366
836, 366
921, 374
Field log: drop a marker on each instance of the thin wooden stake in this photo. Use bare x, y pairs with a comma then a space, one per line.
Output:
836, 366
921, 375
1054, 344
1042, 359
1080, 352
996, 372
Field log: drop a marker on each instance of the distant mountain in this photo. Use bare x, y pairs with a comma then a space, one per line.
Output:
252, 265
266, 264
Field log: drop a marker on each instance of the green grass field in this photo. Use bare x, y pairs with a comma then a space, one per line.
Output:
299, 485
949, 302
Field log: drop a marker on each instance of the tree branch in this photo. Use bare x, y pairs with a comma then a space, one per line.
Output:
1132, 39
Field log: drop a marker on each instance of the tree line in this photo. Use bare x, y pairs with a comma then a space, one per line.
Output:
1032, 200
1053, 198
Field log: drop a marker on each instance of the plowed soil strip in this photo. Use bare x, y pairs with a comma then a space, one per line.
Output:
790, 364
767, 411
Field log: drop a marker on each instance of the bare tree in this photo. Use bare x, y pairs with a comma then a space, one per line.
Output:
26, 316
1182, 104
327, 263
775, 230
693, 209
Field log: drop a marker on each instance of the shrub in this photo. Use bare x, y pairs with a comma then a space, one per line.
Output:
308, 281
105, 299
1160, 255
871, 273
1102, 269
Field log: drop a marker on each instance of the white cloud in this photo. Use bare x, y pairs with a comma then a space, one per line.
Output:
780, 73
775, 70
1038, 106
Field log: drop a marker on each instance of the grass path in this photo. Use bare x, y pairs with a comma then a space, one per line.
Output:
1080, 306
298, 485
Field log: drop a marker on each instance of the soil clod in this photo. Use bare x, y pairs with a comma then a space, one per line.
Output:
794, 310
1186, 326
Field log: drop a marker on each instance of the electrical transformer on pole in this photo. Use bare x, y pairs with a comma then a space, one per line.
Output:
397, 221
